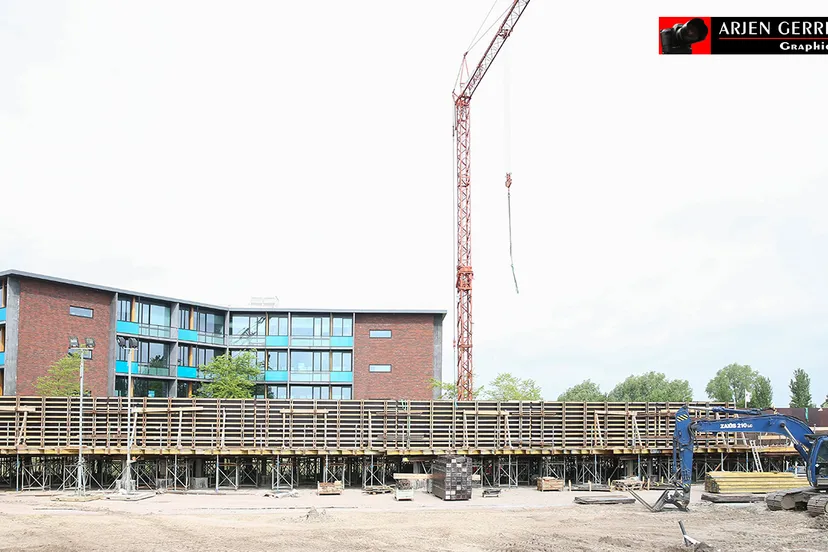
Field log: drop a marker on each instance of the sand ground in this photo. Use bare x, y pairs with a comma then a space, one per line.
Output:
520, 519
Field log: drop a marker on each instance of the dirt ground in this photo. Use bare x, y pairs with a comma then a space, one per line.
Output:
520, 519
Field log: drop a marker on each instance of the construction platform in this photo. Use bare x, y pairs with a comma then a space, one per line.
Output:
239, 427
201, 443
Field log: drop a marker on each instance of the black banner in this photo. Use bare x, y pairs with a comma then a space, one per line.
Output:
769, 35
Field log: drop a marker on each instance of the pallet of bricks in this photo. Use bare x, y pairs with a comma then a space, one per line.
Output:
451, 477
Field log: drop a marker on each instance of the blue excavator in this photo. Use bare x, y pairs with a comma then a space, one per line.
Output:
811, 447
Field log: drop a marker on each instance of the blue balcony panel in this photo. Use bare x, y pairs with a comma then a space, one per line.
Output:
121, 367
128, 328
188, 335
276, 375
342, 341
187, 371
342, 377
277, 341
3, 314
2, 359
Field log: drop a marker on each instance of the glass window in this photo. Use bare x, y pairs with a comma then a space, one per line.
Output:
342, 361
321, 326
153, 314
205, 356
277, 360
321, 361
380, 333
183, 355
125, 310
277, 391
260, 356
301, 326
259, 391
120, 386
83, 312
209, 322
149, 387
278, 325
184, 318
379, 368
343, 326
301, 392
320, 392
301, 360
340, 393
346, 393
188, 389
244, 324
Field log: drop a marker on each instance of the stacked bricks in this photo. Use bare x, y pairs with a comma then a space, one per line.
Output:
452, 477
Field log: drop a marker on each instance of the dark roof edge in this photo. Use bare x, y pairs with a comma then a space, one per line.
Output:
24, 274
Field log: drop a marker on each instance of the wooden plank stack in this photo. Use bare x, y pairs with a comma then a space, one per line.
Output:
750, 482
550, 484
452, 477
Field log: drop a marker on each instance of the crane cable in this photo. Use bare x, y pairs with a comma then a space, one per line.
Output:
507, 147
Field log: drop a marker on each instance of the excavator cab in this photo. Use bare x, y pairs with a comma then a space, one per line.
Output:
818, 463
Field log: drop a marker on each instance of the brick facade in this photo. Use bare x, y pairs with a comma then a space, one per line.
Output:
46, 326
409, 351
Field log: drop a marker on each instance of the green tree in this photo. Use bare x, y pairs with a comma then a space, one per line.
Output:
762, 395
63, 378
653, 387
825, 404
731, 382
231, 377
800, 386
586, 391
448, 391
506, 387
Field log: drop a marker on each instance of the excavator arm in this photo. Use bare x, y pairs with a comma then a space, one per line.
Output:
751, 421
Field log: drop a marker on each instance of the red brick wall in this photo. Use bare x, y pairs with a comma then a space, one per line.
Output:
410, 352
45, 327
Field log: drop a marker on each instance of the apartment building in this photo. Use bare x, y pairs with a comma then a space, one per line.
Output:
301, 353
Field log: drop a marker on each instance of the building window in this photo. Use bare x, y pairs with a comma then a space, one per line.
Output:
209, 322
183, 355
309, 392
310, 326
188, 388
340, 393
83, 312
277, 360
125, 310
243, 324
342, 361
278, 325
203, 356
277, 391
379, 368
2, 293
386, 334
343, 326
259, 356
154, 314
149, 353
184, 318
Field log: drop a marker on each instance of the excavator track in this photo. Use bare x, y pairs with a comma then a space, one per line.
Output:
818, 505
789, 499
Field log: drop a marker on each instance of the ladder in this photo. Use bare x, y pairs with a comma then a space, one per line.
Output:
757, 461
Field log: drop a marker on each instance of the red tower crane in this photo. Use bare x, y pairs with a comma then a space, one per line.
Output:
466, 85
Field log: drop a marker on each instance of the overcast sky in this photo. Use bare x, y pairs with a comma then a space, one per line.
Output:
668, 211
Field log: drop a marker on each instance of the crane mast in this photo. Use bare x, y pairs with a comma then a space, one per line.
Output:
466, 86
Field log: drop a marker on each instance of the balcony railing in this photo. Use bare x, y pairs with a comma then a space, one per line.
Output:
313, 376
143, 369
318, 341
211, 338
246, 340
152, 330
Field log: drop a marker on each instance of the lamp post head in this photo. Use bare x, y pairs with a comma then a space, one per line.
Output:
74, 343
90, 342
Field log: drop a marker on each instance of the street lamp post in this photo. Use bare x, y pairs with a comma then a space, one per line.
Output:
131, 345
74, 345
